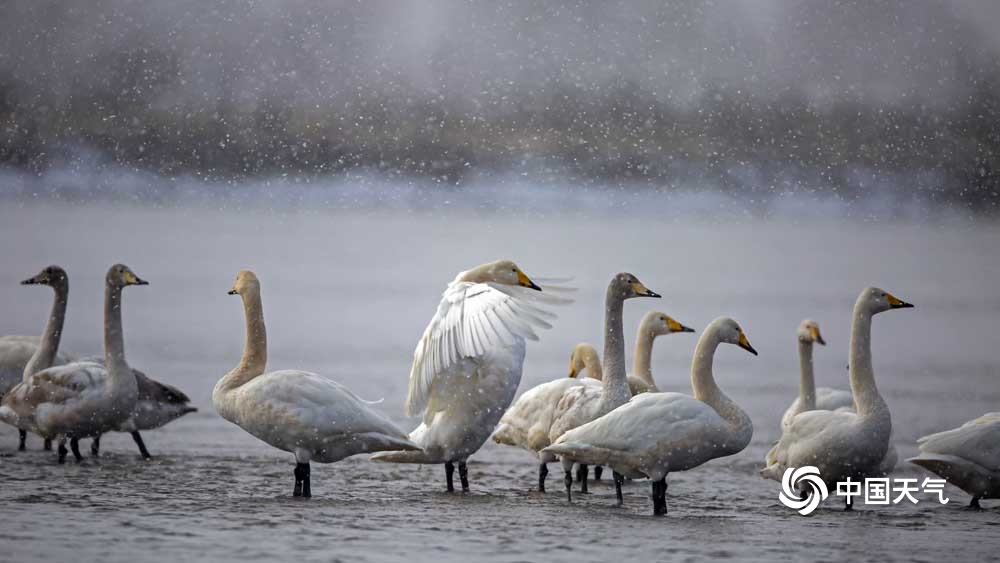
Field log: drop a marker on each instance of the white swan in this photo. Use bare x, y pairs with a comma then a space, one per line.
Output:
467, 365
580, 405
653, 324
843, 444
812, 398
527, 422
296, 411
967, 456
657, 433
80, 399
17, 350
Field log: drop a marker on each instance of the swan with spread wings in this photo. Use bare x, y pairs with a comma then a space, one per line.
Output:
467, 365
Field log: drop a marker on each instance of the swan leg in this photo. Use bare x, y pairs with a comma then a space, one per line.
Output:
660, 497
22, 437
62, 450
597, 472
47, 445
848, 506
95, 446
568, 480
449, 476
142, 445
543, 471
619, 479
583, 471
974, 503
74, 445
463, 476
302, 485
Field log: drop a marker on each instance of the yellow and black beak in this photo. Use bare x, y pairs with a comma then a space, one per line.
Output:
897, 303
816, 336
675, 326
643, 291
524, 281
232, 292
132, 279
745, 344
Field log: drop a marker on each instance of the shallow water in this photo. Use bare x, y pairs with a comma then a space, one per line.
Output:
348, 295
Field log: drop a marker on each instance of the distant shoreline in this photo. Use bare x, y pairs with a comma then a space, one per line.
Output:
537, 194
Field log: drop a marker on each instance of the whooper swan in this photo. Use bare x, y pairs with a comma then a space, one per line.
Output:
467, 365
657, 433
843, 444
296, 411
80, 399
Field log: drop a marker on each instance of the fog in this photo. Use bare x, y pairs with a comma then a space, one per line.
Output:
851, 100
316, 52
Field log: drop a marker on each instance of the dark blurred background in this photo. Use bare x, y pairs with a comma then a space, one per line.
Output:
743, 96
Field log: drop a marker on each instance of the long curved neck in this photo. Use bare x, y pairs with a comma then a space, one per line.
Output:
114, 340
702, 380
254, 359
707, 391
807, 385
48, 346
642, 359
616, 391
867, 400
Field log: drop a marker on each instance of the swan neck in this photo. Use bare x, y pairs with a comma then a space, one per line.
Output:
642, 360
593, 365
707, 391
807, 384
867, 400
114, 342
615, 381
702, 380
48, 345
254, 359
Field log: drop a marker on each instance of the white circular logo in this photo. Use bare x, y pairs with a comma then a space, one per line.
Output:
790, 484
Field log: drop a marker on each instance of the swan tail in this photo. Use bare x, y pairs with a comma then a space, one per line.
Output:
391, 444
410, 456
936, 463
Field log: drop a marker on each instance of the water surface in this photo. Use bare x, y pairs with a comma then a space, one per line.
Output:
348, 295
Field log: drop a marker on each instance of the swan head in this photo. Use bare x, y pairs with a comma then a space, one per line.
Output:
809, 332
53, 276
627, 286
121, 275
584, 356
246, 282
658, 324
875, 300
504, 272
728, 331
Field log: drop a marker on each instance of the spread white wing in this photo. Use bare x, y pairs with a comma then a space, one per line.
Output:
472, 319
